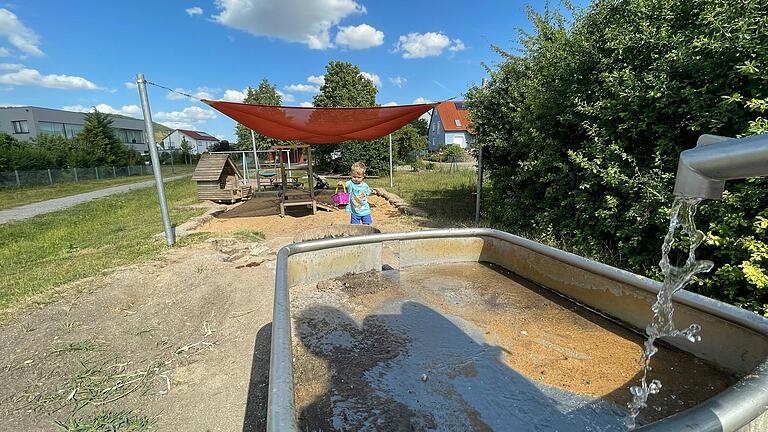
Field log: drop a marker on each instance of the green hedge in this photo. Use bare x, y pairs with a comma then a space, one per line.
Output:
583, 129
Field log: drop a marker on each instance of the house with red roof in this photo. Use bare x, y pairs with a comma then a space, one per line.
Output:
450, 125
199, 142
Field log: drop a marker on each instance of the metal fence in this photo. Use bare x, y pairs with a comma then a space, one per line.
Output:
71, 175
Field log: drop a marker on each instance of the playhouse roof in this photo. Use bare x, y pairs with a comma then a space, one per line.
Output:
211, 165
321, 125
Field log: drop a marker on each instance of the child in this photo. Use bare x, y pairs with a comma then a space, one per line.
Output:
358, 196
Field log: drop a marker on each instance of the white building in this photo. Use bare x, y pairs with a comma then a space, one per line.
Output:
199, 142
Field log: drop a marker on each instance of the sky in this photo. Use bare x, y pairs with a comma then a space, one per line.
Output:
76, 55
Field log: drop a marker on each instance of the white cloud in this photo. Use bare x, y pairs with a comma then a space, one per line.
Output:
421, 100
32, 77
233, 96
393, 103
430, 44
128, 110
319, 80
302, 88
11, 66
398, 81
306, 104
4, 52
457, 46
285, 97
19, 35
373, 77
177, 125
200, 93
188, 116
291, 20
360, 37
130, 85
194, 11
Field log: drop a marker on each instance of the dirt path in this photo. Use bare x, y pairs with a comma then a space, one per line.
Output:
56, 204
182, 343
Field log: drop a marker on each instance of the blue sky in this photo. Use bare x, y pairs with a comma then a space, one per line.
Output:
80, 54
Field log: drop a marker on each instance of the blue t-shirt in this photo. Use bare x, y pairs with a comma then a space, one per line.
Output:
358, 198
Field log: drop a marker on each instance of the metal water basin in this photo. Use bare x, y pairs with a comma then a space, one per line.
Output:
440, 320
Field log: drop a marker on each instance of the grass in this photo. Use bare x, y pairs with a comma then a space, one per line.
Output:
108, 421
14, 197
249, 235
50, 250
448, 197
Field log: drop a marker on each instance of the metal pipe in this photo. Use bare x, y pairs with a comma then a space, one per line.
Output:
170, 237
478, 198
703, 170
390, 162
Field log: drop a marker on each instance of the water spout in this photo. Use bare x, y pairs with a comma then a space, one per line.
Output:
703, 170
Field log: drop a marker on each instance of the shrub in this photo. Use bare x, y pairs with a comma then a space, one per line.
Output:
583, 129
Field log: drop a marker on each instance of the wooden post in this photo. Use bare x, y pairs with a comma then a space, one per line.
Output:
18, 182
75, 174
284, 187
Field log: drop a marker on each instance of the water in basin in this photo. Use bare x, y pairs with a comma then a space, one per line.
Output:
462, 347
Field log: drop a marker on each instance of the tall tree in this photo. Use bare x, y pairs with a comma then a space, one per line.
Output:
98, 139
346, 87
264, 94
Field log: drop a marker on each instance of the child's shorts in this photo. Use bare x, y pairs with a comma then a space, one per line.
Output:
357, 220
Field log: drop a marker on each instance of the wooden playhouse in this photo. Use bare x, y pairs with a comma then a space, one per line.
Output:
218, 179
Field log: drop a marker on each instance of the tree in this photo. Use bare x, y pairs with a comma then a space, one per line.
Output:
185, 148
98, 139
345, 87
408, 140
582, 131
264, 94
222, 145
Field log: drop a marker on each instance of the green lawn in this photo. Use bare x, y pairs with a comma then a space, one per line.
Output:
448, 197
46, 251
14, 197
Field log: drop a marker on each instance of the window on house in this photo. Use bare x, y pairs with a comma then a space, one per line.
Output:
53, 129
20, 127
458, 122
70, 130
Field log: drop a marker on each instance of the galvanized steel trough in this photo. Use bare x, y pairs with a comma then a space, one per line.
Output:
736, 340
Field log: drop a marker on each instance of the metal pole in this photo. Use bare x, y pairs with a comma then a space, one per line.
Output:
114, 172
173, 170
245, 167
18, 183
50, 178
255, 161
479, 184
142, 85
288, 152
390, 161
76, 173
97, 172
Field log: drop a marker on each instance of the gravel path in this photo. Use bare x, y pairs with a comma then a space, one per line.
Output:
38, 208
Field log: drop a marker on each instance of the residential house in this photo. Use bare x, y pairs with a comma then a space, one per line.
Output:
199, 142
27, 122
450, 125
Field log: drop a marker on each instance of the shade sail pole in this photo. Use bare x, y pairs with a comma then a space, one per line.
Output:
390, 161
141, 83
479, 183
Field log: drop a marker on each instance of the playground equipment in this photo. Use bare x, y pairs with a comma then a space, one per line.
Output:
218, 179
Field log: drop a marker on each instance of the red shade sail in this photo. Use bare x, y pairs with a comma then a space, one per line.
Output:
321, 125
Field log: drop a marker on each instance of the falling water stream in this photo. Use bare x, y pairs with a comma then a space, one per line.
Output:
675, 278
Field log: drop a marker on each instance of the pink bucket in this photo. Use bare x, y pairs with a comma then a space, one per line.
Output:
340, 198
